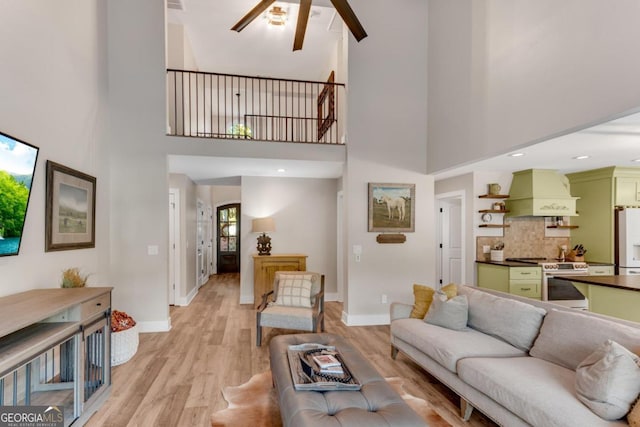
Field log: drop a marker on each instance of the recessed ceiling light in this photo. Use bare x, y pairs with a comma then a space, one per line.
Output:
516, 155
281, 170
581, 157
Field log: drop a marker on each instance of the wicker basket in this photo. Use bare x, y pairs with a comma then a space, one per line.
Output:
124, 345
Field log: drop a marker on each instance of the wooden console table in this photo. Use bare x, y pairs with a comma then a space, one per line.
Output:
265, 267
55, 350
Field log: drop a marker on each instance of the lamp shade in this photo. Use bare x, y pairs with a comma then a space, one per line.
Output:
263, 225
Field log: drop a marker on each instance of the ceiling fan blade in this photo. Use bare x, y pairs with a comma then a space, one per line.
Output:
350, 18
253, 14
301, 26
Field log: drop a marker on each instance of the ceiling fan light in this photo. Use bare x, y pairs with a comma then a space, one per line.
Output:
277, 16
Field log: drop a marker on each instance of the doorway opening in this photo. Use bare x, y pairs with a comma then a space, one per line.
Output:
228, 238
450, 252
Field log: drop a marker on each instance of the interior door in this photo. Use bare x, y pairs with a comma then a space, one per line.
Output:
228, 238
451, 267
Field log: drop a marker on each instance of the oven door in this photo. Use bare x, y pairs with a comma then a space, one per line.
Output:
560, 289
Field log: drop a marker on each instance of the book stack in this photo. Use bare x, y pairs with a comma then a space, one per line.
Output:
328, 364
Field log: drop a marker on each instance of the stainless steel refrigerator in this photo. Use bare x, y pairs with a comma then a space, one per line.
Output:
628, 241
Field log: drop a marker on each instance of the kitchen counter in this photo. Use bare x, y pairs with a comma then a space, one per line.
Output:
507, 263
621, 282
528, 264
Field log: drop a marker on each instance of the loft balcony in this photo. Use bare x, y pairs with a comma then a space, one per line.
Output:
246, 108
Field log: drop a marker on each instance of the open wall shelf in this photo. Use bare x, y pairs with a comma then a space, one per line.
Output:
494, 196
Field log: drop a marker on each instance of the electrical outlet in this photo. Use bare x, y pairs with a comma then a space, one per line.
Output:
383, 299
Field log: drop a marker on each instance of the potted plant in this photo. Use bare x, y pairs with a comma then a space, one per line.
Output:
71, 278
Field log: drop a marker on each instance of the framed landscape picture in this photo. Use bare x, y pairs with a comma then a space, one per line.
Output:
392, 207
70, 209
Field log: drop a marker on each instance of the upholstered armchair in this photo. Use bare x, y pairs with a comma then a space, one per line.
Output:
295, 302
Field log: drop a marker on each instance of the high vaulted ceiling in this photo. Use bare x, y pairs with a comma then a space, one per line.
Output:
260, 49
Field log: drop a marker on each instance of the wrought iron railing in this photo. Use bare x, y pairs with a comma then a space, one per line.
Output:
214, 105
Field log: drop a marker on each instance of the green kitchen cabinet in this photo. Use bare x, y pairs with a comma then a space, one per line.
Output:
523, 281
493, 276
601, 270
599, 191
526, 281
616, 302
627, 191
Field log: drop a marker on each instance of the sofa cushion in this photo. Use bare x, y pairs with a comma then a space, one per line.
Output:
516, 322
447, 346
423, 296
608, 380
568, 337
451, 314
540, 392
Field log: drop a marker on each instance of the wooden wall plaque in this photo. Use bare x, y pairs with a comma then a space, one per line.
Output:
391, 238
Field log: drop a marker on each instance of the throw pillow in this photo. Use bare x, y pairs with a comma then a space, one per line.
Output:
450, 314
423, 295
294, 292
608, 380
634, 416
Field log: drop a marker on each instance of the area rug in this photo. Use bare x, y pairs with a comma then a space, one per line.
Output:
255, 404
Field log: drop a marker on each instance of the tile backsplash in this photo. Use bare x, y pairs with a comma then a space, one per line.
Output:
525, 238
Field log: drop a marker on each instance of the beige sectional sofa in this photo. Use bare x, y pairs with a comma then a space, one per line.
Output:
516, 360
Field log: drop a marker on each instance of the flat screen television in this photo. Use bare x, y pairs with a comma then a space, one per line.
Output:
17, 166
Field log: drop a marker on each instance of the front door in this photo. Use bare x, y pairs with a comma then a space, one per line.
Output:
228, 238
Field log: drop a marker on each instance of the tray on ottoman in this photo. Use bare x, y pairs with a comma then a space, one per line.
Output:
307, 375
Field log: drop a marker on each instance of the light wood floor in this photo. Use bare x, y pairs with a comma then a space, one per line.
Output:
176, 377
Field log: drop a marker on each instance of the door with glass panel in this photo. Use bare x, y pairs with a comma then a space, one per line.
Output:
228, 238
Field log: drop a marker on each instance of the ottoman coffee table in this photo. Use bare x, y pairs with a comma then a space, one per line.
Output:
376, 404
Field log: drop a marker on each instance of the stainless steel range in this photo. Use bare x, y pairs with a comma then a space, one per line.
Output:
556, 289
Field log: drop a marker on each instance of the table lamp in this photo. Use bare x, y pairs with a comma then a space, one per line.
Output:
263, 225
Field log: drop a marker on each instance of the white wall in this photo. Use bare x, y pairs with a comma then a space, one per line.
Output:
387, 112
304, 211
137, 144
179, 51
508, 73
53, 90
224, 194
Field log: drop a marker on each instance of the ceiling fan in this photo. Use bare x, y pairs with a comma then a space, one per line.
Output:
342, 7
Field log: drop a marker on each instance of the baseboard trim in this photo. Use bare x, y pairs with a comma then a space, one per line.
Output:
187, 300
246, 299
365, 319
155, 326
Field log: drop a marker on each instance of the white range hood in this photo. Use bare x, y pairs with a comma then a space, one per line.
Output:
540, 192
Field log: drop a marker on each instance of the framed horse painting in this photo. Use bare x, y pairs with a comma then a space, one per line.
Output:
392, 207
